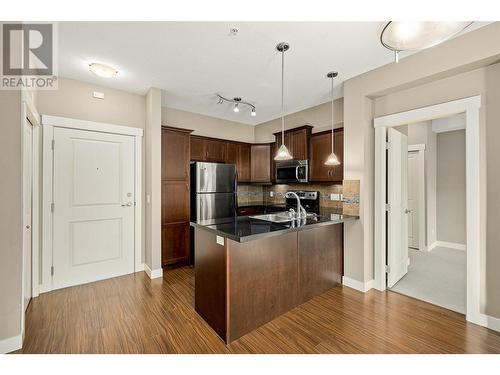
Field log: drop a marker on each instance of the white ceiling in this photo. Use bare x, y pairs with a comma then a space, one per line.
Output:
192, 61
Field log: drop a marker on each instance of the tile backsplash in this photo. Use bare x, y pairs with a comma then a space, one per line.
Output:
254, 194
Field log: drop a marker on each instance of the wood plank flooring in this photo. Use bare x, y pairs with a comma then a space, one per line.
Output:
132, 314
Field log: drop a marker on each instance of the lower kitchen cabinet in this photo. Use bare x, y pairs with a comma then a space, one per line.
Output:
175, 243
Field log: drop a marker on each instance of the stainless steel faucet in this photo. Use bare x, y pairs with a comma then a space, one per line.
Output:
301, 212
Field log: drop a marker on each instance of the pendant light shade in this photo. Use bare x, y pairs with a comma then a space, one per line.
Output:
414, 36
332, 158
283, 153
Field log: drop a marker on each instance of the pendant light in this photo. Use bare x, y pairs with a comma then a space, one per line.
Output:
332, 158
415, 36
283, 153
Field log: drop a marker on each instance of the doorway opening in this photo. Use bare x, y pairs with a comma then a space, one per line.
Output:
435, 212
390, 242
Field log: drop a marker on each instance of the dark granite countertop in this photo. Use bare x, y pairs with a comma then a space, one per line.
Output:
244, 228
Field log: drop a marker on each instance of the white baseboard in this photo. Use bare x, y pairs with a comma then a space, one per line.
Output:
11, 344
140, 267
153, 274
358, 285
449, 245
485, 321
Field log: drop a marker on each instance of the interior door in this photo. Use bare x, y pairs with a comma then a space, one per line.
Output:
27, 214
397, 188
413, 200
93, 206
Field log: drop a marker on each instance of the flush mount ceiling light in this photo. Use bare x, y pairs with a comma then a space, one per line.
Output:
332, 158
102, 70
414, 36
283, 153
237, 101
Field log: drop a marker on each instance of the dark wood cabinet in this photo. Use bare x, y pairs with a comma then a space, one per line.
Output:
297, 142
176, 153
321, 147
260, 169
198, 148
215, 151
239, 155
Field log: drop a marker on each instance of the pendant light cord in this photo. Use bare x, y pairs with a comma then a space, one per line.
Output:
332, 113
282, 97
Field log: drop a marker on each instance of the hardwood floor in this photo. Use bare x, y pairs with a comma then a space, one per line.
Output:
132, 314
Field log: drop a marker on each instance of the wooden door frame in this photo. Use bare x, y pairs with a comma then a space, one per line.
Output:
49, 123
422, 218
30, 115
475, 192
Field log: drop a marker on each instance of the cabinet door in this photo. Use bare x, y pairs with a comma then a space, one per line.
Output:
320, 149
337, 173
215, 151
175, 241
174, 155
244, 174
298, 142
232, 154
175, 202
198, 149
261, 163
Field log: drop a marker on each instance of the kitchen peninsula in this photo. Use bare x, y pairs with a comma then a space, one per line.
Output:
250, 271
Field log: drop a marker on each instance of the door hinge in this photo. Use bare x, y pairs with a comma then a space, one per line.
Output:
52, 207
52, 271
387, 207
387, 145
387, 269
53, 144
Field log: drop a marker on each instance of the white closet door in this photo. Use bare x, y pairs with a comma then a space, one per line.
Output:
27, 214
413, 200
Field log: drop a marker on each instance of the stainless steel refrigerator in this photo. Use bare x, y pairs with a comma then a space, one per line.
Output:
213, 192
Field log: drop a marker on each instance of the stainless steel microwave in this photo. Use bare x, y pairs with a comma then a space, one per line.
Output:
292, 171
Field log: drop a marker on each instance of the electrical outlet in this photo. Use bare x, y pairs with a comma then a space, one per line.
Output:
271, 194
98, 95
335, 197
220, 240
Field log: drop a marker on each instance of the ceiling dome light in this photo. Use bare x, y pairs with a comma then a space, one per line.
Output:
414, 36
102, 70
253, 113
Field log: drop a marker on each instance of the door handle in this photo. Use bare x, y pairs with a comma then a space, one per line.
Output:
128, 204
407, 211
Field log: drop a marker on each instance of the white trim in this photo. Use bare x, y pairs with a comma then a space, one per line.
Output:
429, 113
153, 274
358, 285
49, 122
11, 344
448, 124
65, 122
449, 245
418, 147
474, 210
140, 268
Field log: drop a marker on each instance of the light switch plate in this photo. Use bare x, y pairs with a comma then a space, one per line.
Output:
98, 95
220, 240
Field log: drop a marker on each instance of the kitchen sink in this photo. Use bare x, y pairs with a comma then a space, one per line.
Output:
278, 217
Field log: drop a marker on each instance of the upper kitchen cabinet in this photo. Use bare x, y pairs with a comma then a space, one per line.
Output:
260, 163
297, 141
215, 150
321, 147
239, 155
198, 147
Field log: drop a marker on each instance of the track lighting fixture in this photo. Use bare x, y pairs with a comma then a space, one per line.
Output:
237, 101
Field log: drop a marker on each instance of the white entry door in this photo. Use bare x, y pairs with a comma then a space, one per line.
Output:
413, 199
27, 214
93, 206
397, 225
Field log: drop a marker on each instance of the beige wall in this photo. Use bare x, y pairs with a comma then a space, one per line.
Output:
436, 75
74, 99
450, 188
207, 126
153, 179
11, 218
319, 117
